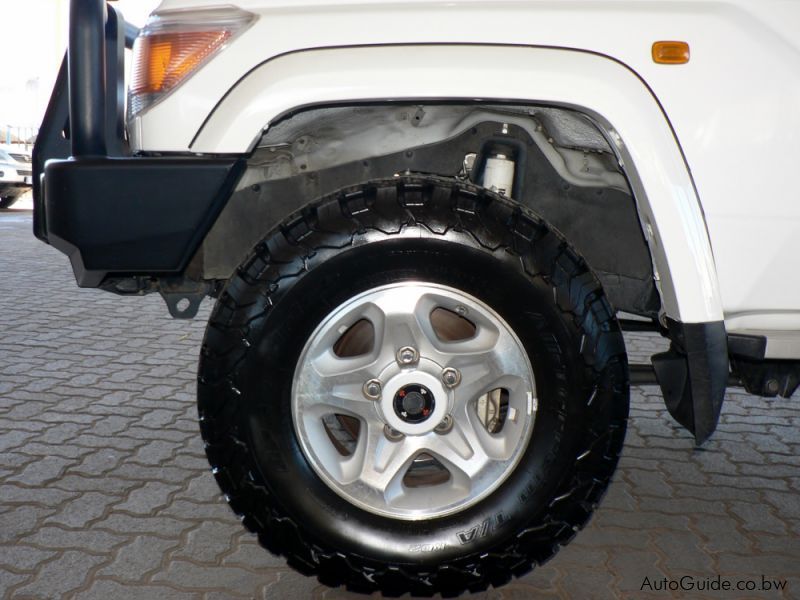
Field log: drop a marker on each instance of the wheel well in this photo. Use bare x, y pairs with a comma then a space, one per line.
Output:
565, 170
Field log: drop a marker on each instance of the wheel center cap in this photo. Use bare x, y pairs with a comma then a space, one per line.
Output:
414, 403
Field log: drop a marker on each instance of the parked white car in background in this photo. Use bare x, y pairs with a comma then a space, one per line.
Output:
16, 174
425, 225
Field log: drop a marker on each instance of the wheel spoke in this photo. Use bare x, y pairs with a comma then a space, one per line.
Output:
334, 370
383, 463
317, 408
403, 322
477, 378
461, 449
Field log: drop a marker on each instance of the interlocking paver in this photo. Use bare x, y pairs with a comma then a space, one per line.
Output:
90, 539
137, 558
206, 543
20, 520
60, 575
105, 491
105, 589
23, 558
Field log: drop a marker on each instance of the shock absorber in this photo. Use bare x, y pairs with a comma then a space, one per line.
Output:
498, 174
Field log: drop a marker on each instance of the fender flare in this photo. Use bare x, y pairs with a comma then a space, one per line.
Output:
610, 93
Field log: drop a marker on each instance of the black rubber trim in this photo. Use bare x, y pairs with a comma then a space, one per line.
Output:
693, 375
134, 215
752, 347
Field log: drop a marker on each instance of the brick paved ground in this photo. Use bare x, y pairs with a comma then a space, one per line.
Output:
105, 492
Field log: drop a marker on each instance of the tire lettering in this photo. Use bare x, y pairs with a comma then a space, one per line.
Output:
482, 529
427, 547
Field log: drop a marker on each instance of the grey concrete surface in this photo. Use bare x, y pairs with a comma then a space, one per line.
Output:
105, 491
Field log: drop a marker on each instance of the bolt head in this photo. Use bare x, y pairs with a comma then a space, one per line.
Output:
445, 426
392, 434
407, 355
773, 386
461, 310
372, 389
451, 377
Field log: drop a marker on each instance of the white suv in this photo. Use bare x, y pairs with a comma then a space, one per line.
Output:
16, 174
425, 225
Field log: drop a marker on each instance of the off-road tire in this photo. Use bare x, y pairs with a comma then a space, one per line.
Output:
8, 201
448, 232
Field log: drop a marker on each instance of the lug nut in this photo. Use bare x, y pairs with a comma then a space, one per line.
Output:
445, 426
392, 434
451, 377
372, 389
407, 355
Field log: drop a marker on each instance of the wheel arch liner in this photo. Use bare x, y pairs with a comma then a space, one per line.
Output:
606, 90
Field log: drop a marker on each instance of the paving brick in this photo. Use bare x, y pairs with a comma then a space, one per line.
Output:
111, 425
60, 576
11, 580
682, 552
50, 496
68, 451
23, 558
91, 540
682, 506
758, 517
138, 557
104, 589
197, 512
722, 535
646, 520
108, 483
630, 569
156, 452
148, 498
594, 584
97, 463
206, 543
12, 439
186, 575
79, 512
129, 524
250, 555
601, 535
20, 520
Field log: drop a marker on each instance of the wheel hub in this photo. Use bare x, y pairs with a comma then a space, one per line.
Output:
414, 400
414, 403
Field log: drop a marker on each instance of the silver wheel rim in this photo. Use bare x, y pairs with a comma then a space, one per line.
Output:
433, 425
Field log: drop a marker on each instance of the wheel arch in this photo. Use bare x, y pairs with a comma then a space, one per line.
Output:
610, 93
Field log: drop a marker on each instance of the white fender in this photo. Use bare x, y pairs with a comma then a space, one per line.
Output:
604, 89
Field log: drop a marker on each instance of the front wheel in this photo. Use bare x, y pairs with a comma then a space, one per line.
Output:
413, 385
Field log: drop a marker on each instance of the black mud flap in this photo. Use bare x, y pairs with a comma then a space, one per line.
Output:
693, 375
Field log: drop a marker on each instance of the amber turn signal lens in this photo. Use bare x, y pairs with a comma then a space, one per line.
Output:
163, 60
671, 53
173, 45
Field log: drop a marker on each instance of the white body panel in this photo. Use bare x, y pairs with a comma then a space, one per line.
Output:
733, 109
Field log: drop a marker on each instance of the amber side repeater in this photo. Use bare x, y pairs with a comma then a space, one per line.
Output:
671, 53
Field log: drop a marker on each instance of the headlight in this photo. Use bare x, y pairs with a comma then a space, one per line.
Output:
173, 45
